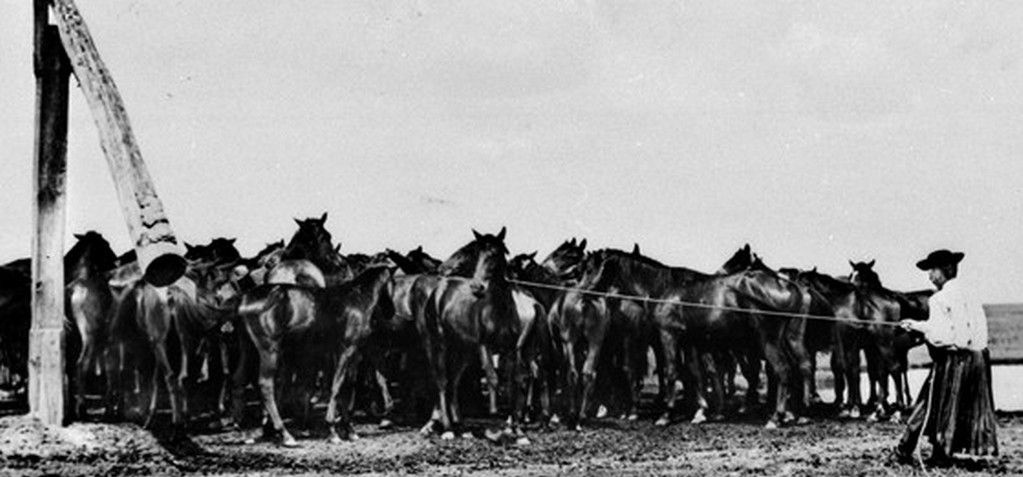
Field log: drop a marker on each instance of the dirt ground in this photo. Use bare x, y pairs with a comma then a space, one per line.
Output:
826, 447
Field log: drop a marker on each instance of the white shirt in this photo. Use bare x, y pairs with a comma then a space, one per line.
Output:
955, 319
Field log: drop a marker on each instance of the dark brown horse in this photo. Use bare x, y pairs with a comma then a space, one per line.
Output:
15, 320
309, 326
837, 298
89, 305
637, 275
146, 317
884, 344
468, 318
310, 258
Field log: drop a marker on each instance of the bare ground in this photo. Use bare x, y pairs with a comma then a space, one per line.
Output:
610, 447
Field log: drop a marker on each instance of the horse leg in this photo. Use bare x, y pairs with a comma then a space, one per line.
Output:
113, 397
172, 383
838, 371
269, 354
341, 371
781, 373
695, 381
746, 366
85, 362
629, 364
717, 382
852, 381
796, 331
487, 361
669, 360
571, 375
589, 374
460, 365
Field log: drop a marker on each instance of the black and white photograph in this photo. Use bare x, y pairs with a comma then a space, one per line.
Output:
511, 238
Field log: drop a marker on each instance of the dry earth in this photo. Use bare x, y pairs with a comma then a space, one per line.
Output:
610, 447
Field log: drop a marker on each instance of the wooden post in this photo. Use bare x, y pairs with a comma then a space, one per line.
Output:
46, 384
158, 250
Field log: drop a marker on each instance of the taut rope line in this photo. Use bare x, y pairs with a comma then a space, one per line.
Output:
681, 303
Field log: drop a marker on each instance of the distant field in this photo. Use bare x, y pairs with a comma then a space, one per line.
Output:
1005, 335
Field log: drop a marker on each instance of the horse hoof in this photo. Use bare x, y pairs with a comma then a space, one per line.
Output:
699, 418
802, 421
872, 417
386, 424
335, 439
844, 414
717, 417
742, 411
427, 429
492, 435
577, 428
353, 436
468, 435
854, 413
896, 417
555, 420
447, 436
661, 422
632, 417
522, 441
289, 442
771, 425
601, 412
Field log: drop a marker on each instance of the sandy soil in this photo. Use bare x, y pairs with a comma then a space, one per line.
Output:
609, 447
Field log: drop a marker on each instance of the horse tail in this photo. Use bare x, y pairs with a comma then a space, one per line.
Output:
259, 300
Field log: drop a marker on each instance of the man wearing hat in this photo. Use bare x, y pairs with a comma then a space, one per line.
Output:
955, 409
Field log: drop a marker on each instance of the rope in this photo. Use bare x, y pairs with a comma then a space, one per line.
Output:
681, 303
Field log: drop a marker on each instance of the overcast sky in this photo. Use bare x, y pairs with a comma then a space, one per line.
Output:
816, 131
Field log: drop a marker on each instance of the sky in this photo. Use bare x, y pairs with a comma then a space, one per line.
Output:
818, 132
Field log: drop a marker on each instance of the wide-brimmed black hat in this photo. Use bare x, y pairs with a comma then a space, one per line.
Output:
940, 258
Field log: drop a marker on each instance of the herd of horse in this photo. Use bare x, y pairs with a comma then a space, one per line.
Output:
554, 340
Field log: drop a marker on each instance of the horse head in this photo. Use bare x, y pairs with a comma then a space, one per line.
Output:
222, 250
741, 260
422, 260
311, 241
465, 259
565, 259
91, 254
491, 269
523, 266
598, 270
863, 274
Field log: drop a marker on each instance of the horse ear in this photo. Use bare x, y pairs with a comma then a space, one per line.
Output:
635, 249
189, 247
582, 244
814, 269
532, 256
323, 218
80, 236
419, 249
500, 235
231, 241
337, 248
871, 263
298, 222
572, 242
851, 264
477, 235
746, 247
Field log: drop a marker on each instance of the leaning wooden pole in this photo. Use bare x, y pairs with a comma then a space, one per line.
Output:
158, 250
46, 384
